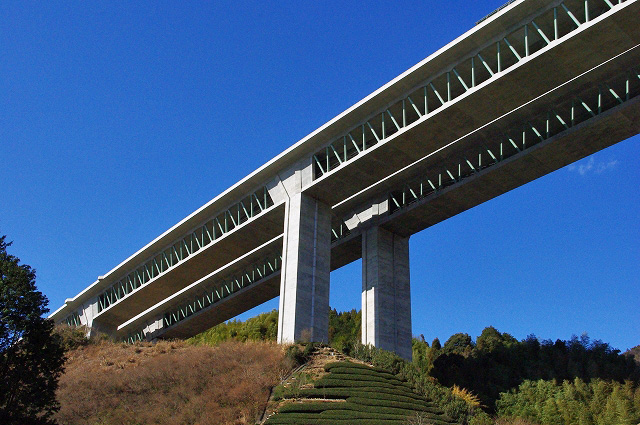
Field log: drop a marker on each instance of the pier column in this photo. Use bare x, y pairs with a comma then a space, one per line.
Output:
304, 281
386, 298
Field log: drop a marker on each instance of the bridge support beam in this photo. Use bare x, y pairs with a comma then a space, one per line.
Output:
386, 298
304, 282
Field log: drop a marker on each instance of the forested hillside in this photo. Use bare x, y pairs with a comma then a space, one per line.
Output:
496, 362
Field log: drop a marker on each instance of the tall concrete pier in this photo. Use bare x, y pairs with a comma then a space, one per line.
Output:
306, 259
531, 88
386, 297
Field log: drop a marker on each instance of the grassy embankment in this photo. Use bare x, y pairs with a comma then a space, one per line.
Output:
354, 393
347, 391
169, 383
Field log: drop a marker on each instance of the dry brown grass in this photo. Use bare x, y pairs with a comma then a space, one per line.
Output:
169, 383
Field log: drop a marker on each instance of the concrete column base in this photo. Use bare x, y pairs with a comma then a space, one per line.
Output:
304, 282
386, 295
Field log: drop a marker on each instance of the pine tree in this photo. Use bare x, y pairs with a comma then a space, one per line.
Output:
31, 355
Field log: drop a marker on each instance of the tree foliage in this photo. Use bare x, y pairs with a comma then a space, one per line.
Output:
598, 402
497, 362
344, 329
634, 353
31, 355
263, 327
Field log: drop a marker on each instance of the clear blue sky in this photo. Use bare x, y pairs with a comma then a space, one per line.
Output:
117, 120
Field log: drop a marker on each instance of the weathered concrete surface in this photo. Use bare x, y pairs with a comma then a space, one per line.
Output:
386, 295
306, 264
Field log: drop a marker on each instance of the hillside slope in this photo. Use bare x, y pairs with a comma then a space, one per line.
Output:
169, 383
328, 392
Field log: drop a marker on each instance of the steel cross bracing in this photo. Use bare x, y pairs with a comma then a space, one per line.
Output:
339, 231
73, 320
179, 251
549, 26
216, 292
561, 118
227, 287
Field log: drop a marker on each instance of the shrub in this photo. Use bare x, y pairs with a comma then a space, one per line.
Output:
466, 395
72, 337
301, 356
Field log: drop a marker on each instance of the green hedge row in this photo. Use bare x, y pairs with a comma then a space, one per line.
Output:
361, 371
343, 414
345, 417
330, 392
327, 382
362, 398
363, 377
373, 393
312, 407
282, 420
317, 407
394, 403
332, 365
340, 414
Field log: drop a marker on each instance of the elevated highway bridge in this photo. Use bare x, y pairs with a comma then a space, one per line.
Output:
531, 88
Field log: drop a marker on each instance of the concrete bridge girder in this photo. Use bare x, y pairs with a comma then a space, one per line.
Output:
585, 48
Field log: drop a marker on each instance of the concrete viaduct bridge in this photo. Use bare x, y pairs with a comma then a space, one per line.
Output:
534, 86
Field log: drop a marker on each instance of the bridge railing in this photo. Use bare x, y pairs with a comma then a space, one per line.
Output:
180, 250
493, 59
588, 105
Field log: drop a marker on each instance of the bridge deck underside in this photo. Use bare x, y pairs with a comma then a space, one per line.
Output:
611, 127
522, 83
232, 306
614, 124
242, 240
